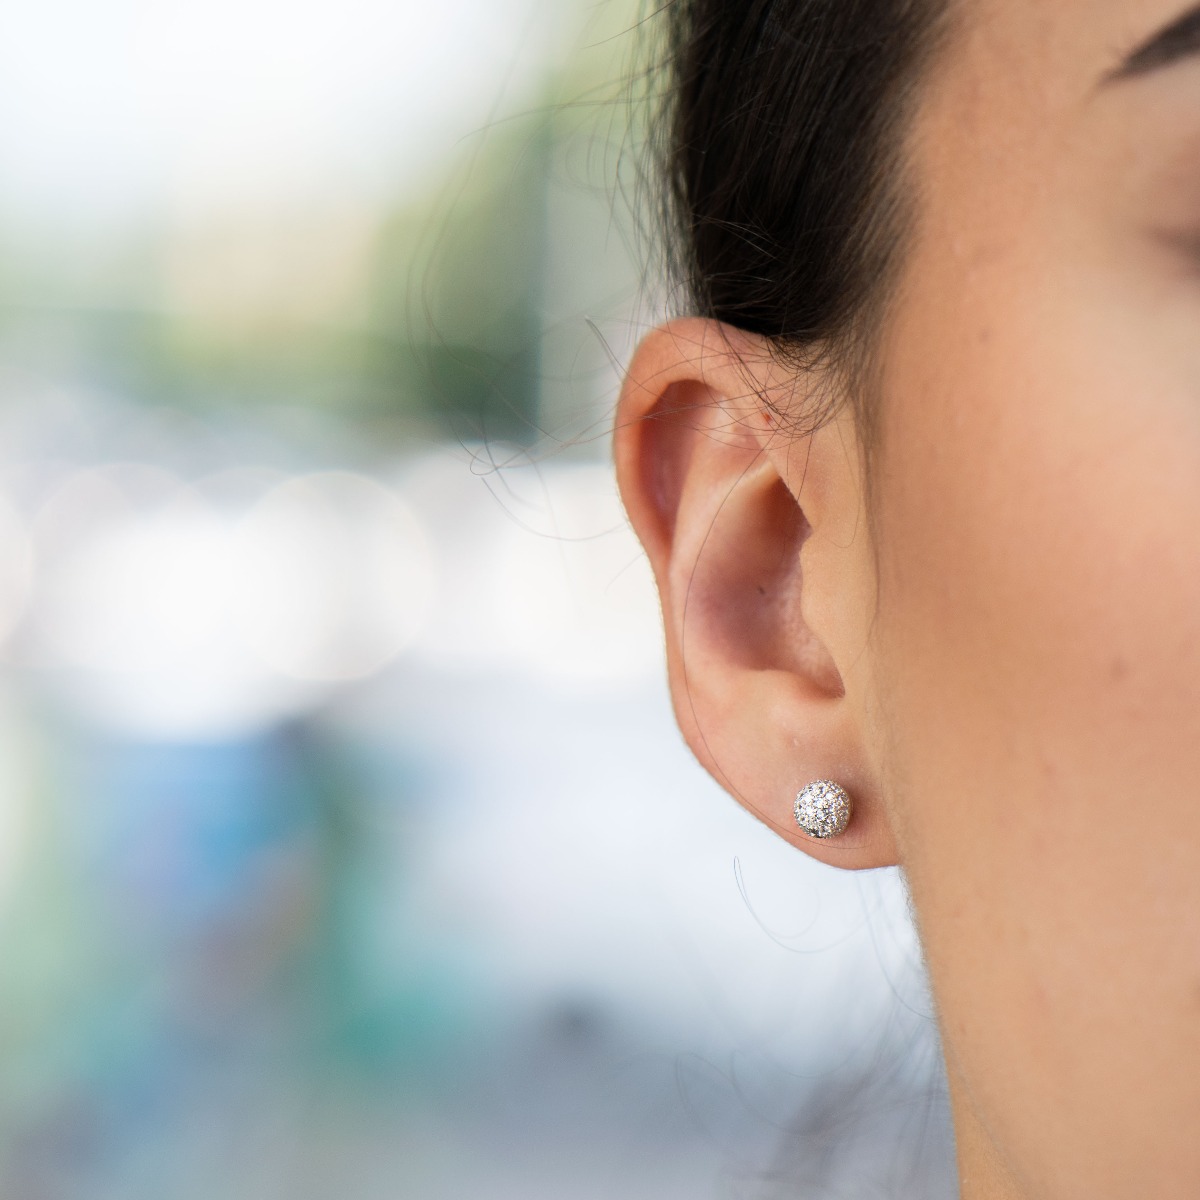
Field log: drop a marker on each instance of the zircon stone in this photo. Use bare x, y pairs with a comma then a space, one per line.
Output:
823, 809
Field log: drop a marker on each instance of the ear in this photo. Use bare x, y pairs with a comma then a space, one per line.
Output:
758, 541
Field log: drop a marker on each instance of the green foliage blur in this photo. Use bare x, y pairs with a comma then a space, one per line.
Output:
421, 315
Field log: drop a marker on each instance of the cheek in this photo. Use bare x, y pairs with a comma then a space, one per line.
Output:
1038, 655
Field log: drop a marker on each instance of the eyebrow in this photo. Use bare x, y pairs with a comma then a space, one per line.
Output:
1175, 42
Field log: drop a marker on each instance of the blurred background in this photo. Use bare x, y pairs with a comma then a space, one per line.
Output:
347, 846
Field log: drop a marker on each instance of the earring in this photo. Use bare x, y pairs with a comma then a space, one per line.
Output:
823, 809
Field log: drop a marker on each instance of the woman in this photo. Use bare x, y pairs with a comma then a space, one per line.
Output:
919, 480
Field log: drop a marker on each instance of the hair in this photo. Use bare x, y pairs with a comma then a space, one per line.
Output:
781, 137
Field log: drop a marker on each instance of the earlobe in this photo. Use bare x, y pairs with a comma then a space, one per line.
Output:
744, 526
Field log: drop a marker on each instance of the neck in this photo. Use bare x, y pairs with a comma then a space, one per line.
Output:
982, 1172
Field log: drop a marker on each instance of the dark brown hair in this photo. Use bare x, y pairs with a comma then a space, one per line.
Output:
781, 137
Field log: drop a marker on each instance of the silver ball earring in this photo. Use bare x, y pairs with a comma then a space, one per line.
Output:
823, 809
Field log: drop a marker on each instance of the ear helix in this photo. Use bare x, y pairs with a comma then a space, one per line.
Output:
823, 809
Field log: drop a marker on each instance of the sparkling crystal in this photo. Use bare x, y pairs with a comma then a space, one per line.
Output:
823, 809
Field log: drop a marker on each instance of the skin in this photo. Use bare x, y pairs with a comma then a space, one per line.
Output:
988, 630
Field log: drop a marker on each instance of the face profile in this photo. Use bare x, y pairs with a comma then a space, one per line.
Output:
917, 467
